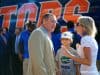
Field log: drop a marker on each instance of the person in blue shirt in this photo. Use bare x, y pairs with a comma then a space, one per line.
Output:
23, 44
56, 36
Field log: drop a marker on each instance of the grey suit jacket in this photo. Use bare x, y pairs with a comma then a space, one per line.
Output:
41, 58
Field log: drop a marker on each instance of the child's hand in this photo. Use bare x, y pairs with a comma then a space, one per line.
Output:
65, 51
78, 46
63, 47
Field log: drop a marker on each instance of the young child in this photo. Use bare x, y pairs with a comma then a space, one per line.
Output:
65, 65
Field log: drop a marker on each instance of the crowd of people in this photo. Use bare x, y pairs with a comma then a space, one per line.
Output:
14, 49
45, 50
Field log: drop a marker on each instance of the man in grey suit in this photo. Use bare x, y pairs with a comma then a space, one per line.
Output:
41, 58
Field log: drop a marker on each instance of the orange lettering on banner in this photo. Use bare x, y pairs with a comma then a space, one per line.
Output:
69, 13
29, 8
7, 11
28, 11
53, 7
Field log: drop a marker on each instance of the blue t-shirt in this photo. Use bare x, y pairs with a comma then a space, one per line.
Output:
24, 36
56, 41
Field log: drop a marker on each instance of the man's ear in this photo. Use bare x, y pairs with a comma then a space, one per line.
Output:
45, 21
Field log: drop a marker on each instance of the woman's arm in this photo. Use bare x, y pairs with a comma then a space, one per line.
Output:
87, 56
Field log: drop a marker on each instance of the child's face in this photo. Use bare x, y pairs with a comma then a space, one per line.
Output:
66, 41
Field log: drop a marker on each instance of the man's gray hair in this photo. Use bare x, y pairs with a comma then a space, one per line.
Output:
47, 16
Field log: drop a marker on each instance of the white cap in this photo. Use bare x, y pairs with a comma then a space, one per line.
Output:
67, 35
